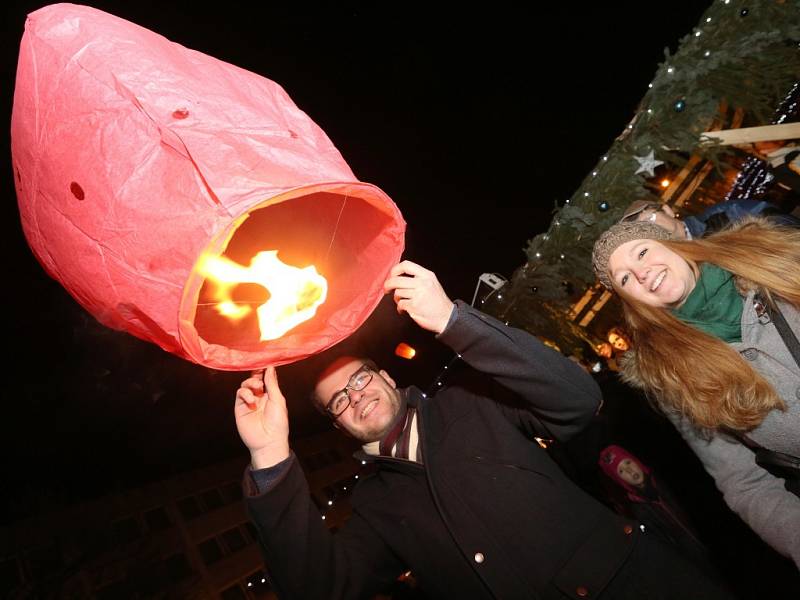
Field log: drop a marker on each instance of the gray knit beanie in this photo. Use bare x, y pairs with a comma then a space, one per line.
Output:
615, 236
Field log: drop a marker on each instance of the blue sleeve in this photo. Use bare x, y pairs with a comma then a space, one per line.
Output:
264, 479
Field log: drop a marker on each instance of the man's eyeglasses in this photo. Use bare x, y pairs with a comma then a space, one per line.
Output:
341, 399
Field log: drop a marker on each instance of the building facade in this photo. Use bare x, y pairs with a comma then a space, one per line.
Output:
184, 537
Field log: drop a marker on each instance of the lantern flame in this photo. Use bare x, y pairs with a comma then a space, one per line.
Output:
295, 293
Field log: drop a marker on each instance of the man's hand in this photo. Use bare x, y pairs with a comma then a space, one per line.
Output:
418, 293
262, 419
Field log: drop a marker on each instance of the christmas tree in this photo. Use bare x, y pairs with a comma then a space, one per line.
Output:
734, 69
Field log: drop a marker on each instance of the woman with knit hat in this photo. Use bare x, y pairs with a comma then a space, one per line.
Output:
714, 324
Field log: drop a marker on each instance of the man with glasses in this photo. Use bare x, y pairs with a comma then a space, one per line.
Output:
370, 395
460, 493
712, 219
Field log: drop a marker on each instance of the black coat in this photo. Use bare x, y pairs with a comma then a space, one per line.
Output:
488, 515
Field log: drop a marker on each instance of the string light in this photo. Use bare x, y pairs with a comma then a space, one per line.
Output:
650, 85
707, 53
697, 33
670, 69
665, 183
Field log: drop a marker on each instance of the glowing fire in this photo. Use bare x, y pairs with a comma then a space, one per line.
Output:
295, 293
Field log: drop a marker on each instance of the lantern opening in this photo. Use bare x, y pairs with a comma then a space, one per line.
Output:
339, 236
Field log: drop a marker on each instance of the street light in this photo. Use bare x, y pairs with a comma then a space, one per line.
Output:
493, 280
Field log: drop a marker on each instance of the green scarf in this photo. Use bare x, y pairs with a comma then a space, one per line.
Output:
714, 305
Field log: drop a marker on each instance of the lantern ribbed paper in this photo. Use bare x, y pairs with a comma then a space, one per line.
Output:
133, 156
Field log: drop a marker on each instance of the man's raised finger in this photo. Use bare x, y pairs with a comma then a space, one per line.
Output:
271, 383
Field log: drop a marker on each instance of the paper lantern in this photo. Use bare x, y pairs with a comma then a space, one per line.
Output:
403, 350
134, 157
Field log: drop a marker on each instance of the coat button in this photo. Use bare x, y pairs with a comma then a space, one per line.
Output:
581, 591
627, 529
479, 557
750, 353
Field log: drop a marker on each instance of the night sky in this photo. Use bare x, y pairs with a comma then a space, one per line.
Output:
475, 123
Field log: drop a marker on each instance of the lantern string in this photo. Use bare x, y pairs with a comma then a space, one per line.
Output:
335, 229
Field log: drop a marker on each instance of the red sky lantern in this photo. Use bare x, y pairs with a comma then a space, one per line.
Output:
403, 350
148, 175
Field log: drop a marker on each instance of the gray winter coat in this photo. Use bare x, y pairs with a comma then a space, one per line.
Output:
759, 498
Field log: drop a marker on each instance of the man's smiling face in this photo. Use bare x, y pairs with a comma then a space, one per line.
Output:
371, 410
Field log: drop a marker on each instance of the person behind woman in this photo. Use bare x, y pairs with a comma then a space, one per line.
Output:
708, 353
647, 499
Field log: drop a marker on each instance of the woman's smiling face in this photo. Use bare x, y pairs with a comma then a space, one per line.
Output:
649, 272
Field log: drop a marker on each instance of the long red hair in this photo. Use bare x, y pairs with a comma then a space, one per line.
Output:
697, 374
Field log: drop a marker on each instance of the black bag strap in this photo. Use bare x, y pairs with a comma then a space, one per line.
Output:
781, 465
778, 464
786, 333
